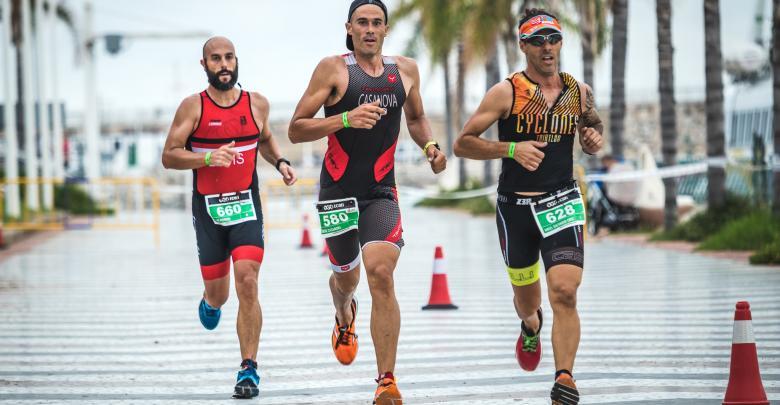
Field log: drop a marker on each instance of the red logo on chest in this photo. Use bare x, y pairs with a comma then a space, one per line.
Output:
392, 78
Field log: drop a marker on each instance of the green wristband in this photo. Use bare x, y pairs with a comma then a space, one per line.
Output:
207, 159
511, 152
344, 119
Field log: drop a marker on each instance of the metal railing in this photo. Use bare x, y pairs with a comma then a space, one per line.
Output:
113, 203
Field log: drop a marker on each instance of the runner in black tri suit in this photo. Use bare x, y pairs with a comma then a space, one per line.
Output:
218, 134
363, 93
539, 209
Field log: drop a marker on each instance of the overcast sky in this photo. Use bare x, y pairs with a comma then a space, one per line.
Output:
280, 42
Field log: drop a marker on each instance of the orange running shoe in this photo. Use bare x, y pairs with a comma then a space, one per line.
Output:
564, 392
344, 339
387, 391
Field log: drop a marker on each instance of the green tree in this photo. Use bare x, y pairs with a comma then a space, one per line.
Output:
593, 34
438, 27
442, 23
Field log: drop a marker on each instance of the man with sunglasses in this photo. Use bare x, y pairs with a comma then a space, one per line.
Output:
539, 112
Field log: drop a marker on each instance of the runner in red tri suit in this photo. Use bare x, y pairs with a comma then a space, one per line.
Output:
218, 134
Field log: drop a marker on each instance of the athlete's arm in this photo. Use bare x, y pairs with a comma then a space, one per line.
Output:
266, 144
175, 156
590, 126
495, 105
416, 121
324, 83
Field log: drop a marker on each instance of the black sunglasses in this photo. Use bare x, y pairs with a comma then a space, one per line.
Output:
538, 39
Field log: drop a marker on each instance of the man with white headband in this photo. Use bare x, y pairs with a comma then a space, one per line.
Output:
539, 111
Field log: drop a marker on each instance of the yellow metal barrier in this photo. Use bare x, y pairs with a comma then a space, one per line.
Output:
283, 206
122, 203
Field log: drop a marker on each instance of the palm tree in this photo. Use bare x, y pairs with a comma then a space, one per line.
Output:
437, 28
442, 22
492, 76
593, 34
488, 22
668, 119
460, 107
776, 103
617, 108
716, 175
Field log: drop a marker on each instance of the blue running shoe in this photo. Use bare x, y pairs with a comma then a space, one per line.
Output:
209, 316
247, 381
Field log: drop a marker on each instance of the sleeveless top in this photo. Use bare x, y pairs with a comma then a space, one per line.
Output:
532, 120
360, 162
219, 126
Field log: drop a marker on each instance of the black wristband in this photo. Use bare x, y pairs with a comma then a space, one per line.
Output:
279, 162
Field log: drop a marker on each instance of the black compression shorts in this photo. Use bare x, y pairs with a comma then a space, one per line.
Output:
217, 243
521, 241
380, 221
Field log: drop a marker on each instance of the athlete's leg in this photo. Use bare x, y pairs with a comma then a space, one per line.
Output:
247, 254
250, 318
527, 300
562, 283
342, 288
213, 255
520, 243
563, 256
380, 260
216, 283
345, 262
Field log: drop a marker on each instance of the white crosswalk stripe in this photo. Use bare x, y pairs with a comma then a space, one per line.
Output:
104, 317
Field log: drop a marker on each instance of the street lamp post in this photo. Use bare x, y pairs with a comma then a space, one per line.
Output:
91, 121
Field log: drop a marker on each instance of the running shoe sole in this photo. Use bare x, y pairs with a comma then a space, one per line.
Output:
564, 394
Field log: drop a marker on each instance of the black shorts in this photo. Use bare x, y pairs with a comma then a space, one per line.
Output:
217, 243
380, 221
521, 241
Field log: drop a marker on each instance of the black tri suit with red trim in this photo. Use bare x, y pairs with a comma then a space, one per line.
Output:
219, 126
360, 163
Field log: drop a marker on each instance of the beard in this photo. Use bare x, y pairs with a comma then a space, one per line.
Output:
214, 79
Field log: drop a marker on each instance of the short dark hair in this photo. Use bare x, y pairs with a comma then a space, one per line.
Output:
533, 12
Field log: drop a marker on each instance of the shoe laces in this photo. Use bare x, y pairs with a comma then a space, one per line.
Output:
530, 342
345, 336
210, 311
385, 380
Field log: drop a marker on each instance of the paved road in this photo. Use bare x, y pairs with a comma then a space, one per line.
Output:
104, 317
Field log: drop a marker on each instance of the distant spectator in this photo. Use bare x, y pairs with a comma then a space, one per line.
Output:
619, 192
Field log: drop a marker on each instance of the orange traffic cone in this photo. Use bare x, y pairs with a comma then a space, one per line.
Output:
440, 293
745, 386
306, 238
325, 249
